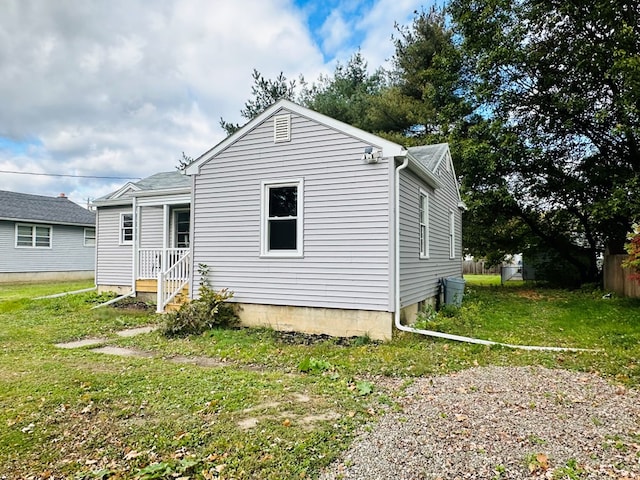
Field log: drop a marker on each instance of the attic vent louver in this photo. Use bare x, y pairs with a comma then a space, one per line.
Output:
282, 128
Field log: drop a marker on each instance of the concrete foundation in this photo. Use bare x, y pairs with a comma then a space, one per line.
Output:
33, 277
328, 321
117, 289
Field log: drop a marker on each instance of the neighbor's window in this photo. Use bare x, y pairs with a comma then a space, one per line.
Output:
33, 236
89, 237
282, 218
452, 234
423, 214
126, 228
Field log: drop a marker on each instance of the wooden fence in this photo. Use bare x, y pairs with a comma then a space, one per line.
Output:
616, 278
473, 267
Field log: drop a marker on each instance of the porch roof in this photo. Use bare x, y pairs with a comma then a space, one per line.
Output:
161, 184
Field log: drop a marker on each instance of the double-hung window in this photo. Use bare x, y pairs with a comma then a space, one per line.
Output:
126, 228
423, 222
282, 222
89, 237
33, 236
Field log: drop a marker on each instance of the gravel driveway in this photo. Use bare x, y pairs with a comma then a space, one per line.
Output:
502, 423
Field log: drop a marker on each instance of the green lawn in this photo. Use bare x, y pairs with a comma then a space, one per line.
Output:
80, 414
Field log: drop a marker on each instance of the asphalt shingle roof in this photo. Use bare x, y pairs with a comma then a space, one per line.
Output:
164, 180
38, 208
158, 181
429, 155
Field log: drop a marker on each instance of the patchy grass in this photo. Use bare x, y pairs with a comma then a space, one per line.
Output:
281, 406
483, 280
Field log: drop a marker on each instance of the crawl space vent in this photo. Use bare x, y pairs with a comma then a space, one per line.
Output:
282, 128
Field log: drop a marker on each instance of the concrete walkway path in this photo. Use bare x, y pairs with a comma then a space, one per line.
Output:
88, 342
102, 347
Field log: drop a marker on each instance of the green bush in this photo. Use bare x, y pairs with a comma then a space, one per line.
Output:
210, 310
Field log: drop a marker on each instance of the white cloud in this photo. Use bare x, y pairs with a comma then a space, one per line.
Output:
122, 87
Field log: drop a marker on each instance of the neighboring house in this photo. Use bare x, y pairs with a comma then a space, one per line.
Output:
45, 238
307, 220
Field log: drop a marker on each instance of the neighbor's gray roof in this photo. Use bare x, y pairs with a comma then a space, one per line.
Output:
429, 155
38, 208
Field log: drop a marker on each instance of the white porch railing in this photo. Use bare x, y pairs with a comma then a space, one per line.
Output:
152, 260
173, 280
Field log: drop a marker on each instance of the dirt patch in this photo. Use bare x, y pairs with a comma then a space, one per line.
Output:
284, 414
297, 338
132, 304
529, 294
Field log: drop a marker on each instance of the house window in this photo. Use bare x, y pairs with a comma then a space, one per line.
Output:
89, 237
182, 224
126, 228
33, 236
423, 220
282, 218
452, 234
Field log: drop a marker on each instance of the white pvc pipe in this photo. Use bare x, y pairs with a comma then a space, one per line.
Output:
114, 300
431, 333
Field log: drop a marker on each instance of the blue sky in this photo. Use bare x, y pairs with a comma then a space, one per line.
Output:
120, 88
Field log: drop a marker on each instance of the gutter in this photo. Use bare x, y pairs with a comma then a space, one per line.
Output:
431, 333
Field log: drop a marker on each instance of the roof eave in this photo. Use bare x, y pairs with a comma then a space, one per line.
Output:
47, 222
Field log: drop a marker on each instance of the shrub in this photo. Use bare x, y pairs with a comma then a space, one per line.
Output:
210, 310
633, 249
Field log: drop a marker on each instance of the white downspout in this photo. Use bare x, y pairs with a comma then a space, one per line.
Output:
431, 333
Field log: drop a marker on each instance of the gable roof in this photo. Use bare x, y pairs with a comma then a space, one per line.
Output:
156, 183
24, 207
389, 149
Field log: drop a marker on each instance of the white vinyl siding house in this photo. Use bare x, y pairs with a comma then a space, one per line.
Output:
143, 229
295, 213
419, 275
342, 260
113, 259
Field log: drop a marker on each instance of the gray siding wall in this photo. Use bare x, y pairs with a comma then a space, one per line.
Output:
67, 252
419, 277
346, 260
114, 261
151, 222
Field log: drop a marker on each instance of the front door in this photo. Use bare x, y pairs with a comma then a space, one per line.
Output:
181, 228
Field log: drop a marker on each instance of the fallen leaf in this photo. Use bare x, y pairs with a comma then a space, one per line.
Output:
286, 423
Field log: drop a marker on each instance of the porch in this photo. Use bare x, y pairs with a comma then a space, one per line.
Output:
164, 272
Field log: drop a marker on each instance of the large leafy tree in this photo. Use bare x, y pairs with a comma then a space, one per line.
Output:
560, 82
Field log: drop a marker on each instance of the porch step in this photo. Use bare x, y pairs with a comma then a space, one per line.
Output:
147, 286
179, 300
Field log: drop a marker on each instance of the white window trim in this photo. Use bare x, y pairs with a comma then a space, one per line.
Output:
452, 234
93, 238
264, 219
423, 220
33, 227
121, 239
